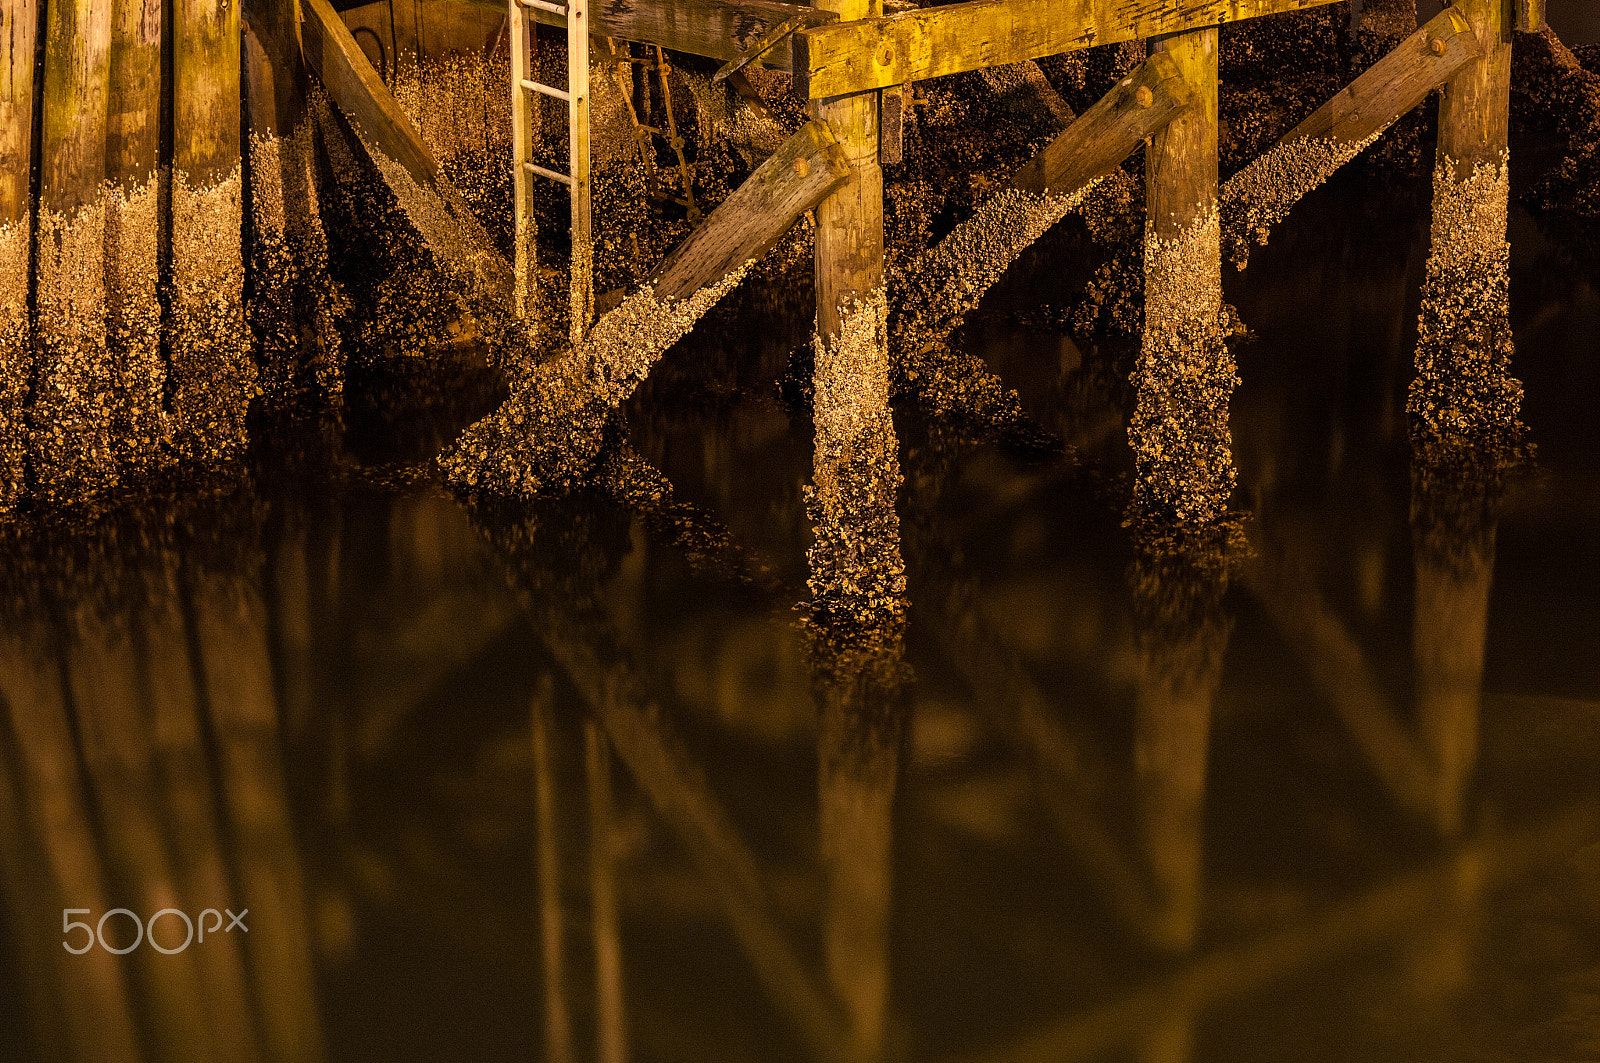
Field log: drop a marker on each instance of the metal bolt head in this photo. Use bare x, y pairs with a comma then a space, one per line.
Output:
1145, 96
1437, 46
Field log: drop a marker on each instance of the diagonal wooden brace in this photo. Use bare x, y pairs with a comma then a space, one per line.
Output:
1261, 195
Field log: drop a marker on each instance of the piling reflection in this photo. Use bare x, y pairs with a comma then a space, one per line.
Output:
141, 740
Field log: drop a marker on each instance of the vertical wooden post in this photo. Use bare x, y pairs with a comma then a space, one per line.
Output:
1185, 375
213, 380
1463, 388
855, 558
19, 23
72, 406
133, 140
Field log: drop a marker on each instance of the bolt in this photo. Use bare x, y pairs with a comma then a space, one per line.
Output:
1145, 96
1437, 46
801, 167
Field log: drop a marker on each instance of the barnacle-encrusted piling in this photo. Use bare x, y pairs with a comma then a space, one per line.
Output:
1463, 391
73, 440
213, 379
1185, 374
856, 570
133, 235
18, 26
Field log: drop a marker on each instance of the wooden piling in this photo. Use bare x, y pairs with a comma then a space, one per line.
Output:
1463, 387
71, 413
1184, 375
19, 23
213, 380
292, 305
855, 558
133, 141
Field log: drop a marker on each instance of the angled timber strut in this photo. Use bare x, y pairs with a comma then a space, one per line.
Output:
1261, 195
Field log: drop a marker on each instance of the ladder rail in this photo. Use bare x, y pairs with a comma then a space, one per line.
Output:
524, 96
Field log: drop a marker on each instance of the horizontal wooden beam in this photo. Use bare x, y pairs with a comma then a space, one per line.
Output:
716, 29
1105, 134
847, 57
749, 223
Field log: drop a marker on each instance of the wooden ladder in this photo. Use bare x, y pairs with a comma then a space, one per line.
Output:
523, 127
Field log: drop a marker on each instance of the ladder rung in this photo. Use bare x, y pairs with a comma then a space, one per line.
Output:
548, 90
545, 5
542, 172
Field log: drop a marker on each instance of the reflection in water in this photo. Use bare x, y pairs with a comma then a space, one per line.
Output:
1182, 633
141, 742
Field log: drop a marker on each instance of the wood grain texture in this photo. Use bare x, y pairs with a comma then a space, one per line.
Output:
206, 98
1394, 84
1530, 15
133, 125
1109, 131
76, 73
716, 29
19, 23
1475, 111
847, 57
749, 223
1181, 162
336, 58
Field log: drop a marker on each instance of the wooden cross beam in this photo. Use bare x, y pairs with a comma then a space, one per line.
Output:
841, 58
716, 29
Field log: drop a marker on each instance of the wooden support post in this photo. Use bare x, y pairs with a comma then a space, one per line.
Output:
548, 435
1185, 374
855, 560
1463, 389
292, 306
212, 378
133, 224
1262, 194
19, 23
73, 438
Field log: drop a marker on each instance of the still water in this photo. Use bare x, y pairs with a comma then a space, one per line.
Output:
574, 783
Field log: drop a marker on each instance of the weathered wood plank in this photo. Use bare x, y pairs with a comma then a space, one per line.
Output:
717, 29
846, 57
19, 23
1395, 84
1475, 110
133, 141
1262, 194
453, 233
749, 223
336, 58
72, 402
1108, 132
213, 379
1530, 15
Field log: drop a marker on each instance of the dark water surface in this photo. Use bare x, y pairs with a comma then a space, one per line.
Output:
546, 785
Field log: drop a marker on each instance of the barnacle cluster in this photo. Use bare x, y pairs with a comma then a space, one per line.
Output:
1463, 392
1185, 376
